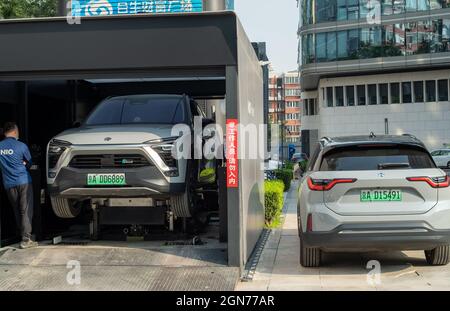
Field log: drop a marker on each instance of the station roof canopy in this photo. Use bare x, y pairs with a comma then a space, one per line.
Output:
194, 45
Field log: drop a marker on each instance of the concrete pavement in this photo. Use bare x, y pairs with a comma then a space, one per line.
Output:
279, 268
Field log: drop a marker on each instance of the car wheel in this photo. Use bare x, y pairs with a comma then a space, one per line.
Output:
448, 165
309, 257
184, 205
438, 256
64, 208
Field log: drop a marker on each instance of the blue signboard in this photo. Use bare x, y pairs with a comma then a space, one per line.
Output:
113, 7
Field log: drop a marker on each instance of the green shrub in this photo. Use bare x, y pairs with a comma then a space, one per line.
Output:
303, 165
273, 200
286, 176
288, 165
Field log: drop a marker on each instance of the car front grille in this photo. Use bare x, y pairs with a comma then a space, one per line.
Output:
109, 161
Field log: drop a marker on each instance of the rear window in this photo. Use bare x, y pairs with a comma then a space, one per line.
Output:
138, 110
375, 158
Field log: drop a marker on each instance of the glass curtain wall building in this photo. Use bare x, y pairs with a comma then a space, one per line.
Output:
373, 56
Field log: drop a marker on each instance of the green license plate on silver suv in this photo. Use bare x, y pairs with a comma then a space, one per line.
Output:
381, 195
106, 180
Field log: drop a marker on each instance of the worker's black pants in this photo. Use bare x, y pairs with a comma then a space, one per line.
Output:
21, 199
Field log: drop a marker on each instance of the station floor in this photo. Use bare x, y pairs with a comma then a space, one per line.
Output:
133, 265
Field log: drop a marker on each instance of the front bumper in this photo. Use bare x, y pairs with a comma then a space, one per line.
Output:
378, 237
141, 182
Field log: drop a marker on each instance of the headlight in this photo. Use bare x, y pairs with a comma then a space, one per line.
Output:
55, 149
163, 148
167, 140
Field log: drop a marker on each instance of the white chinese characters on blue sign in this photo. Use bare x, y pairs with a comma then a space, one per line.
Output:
113, 7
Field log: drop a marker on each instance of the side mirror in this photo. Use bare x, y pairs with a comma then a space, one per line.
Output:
76, 124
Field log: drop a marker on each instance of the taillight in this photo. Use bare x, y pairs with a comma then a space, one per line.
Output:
435, 182
327, 184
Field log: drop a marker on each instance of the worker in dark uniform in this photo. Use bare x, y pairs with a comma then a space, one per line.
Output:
15, 160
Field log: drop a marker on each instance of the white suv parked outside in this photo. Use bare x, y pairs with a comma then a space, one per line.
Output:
372, 193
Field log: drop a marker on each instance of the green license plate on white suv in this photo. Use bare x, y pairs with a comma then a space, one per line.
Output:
106, 180
381, 195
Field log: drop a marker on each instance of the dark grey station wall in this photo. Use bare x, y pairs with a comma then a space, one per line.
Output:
143, 42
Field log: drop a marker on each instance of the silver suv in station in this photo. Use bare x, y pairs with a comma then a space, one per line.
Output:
122, 155
373, 193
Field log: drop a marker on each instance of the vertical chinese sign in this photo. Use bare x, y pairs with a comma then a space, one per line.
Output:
232, 153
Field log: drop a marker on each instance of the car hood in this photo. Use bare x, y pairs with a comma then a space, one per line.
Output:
115, 134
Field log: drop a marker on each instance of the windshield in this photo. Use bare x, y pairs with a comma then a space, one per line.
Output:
375, 158
138, 110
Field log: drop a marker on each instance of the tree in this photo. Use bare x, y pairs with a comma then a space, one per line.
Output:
27, 8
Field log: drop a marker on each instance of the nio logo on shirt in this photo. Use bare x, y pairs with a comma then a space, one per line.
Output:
6, 152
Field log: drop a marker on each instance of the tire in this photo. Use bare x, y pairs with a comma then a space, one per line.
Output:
448, 165
182, 205
64, 208
438, 256
309, 257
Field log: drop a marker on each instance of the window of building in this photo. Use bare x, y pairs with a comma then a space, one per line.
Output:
326, 10
352, 9
386, 7
342, 51
330, 99
398, 6
443, 90
292, 92
363, 7
339, 96
406, 93
361, 93
438, 4
411, 38
430, 90
372, 92
291, 80
353, 43
418, 37
424, 37
350, 94
395, 93
309, 107
384, 93
423, 5
321, 47
312, 107
411, 6
331, 46
418, 91
292, 104
342, 10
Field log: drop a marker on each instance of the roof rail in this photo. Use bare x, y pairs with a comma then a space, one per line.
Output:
410, 135
325, 139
